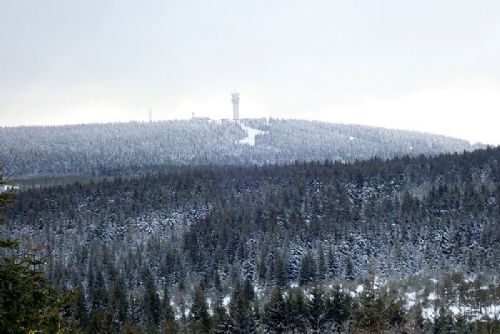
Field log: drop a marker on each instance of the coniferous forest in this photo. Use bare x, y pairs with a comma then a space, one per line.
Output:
249, 167
132, 148
407, 245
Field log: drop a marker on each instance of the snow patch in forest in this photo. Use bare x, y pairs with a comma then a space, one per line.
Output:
432, 310
251, 134
7, 187
470, 278
429, 313
259, 292
432, 296
210, 308
359, 289
411, 299
490, 312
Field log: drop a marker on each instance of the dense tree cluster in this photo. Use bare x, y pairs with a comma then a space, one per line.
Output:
316, 309
133, 148
126, 243
28, 301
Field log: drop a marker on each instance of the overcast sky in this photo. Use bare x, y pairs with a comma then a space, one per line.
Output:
428, 65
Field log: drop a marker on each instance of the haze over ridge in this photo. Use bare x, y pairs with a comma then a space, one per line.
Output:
429, 66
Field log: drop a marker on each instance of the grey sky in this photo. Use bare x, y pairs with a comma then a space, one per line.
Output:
425, 65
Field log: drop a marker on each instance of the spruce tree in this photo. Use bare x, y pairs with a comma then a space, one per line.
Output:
317, 309
339, 306
298, 311
81, 313
280, 276
150, 300
349, 270
6, 198
169, 324
199, 318
322, 265
119, 301
248, 289
241, 316
28, 302
275, 313
219, 314
307, 273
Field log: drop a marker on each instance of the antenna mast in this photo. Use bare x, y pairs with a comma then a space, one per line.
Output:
235, 98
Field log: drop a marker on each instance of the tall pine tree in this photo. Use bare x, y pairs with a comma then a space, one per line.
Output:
28, 302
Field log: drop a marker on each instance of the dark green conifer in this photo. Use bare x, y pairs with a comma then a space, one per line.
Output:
275, 313
28, 302
199, 318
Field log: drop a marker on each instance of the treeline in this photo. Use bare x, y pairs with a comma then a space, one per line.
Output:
317, 309
133, 148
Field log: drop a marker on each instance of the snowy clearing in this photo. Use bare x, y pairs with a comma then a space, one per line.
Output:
488, 312
251, 133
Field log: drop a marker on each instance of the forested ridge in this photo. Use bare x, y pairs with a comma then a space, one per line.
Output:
241, 236
133, 148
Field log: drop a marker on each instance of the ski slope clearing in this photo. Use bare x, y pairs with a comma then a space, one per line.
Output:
251, 134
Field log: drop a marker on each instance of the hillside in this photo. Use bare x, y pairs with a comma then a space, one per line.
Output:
301, 224
132, 148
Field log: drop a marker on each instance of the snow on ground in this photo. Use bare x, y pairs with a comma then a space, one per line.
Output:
490, 312
470, 278
178, 312
356, 291
431, 311
259, 292
226, 300
432, 296
251, 133
6, 187
411, 299
210, 309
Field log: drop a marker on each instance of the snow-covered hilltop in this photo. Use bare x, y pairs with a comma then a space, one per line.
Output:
127, 148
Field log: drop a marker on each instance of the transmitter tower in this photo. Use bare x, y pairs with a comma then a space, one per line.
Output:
235, 98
